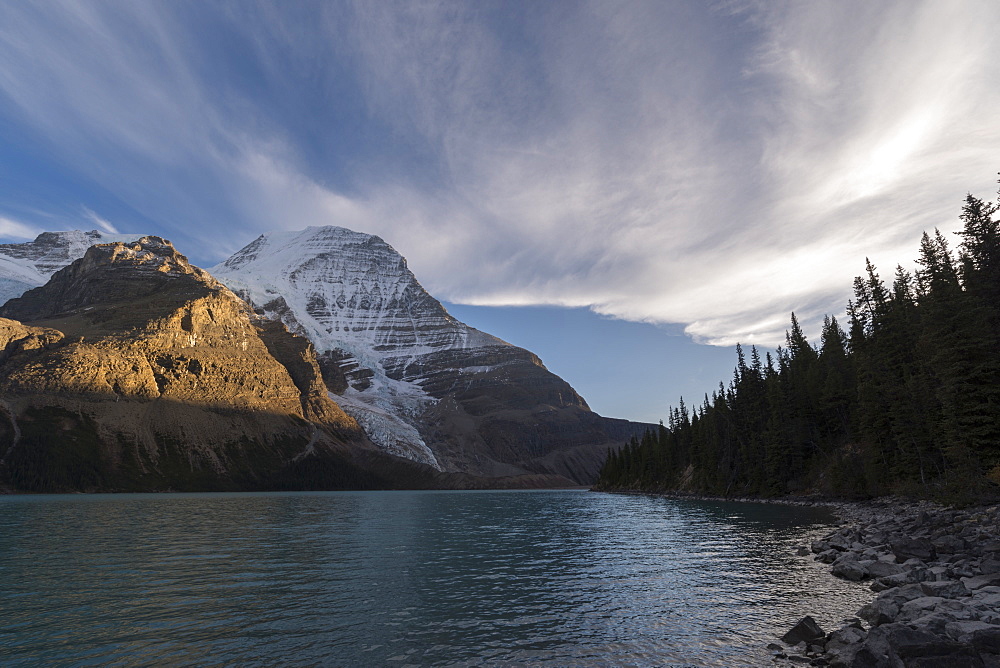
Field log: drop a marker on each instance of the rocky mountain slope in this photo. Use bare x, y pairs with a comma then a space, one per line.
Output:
28, 265
131, 369
423, 385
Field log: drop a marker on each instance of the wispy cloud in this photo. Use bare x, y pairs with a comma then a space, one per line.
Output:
16, 230
716, 166
101, 223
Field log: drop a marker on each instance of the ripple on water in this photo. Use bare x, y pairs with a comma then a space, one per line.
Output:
405, 578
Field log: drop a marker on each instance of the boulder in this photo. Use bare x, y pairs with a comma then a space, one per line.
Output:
880, 611
849, 570
914, 548
963, 630
913, 562
806, 630
881, 569
918, 607
839, 542
827, 556
919, 648
944, 589
818, 546
987, 599
987, 640
950, 544
934, 622
980, 581
901, 595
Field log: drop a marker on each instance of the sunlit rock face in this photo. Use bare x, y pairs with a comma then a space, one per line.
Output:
28, 265
132, 369
423, 384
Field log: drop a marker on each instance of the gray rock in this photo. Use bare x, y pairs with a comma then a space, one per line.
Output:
963, 630
958, 609
875, 652
828, 556
806, 630
950, 544
919, 648
987, 599
849, 635
980, 581
880, 611
940, 572
912, 562
934, 622
987, 566
918, 607
891, 581
990, 660
849, 570
819, 546
881, 569
944, 588
901, 595
987, 640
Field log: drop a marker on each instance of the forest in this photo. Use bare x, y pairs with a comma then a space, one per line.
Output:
906, 401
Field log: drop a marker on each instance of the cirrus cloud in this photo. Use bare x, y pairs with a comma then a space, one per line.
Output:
711, 165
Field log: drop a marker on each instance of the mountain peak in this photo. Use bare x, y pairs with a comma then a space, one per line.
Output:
344, 290
115, 285
29, 264
149, 253
422, 384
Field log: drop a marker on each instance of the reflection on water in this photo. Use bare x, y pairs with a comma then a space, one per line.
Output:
405, 578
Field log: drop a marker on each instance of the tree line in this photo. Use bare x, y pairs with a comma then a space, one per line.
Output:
905, 401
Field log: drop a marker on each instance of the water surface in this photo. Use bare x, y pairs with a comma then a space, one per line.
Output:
562, 578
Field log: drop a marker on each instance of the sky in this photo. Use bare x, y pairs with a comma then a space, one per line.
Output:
664, 178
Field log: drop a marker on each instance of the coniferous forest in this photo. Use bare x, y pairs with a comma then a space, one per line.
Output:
906, 400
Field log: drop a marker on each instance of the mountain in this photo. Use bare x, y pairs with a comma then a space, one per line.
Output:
132, 369
28, 265
424, 385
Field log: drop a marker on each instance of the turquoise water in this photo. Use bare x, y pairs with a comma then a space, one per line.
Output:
562, 578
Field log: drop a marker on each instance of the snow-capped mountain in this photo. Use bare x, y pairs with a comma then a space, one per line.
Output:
28, 265
423, 384
353, 296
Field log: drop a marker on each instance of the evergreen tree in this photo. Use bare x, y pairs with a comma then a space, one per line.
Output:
907, 399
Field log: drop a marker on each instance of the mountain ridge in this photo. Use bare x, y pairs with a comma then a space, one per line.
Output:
387, 345
419, 383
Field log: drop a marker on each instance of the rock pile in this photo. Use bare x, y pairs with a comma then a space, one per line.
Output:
936, 573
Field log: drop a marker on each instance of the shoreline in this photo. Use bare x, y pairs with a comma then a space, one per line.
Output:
934, 573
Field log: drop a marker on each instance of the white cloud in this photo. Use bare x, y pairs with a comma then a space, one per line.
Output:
12, 229
101, 223
661, 162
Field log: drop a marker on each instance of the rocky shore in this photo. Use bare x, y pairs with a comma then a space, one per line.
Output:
935, 578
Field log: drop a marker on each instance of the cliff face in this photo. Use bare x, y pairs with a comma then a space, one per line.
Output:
28, 265
132, 369
423, 385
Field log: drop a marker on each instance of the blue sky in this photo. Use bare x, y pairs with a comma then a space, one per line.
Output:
695, 170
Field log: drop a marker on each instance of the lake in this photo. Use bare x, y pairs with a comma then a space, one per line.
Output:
563, 578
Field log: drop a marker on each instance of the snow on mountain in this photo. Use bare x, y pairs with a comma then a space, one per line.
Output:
28, 265
353, 296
